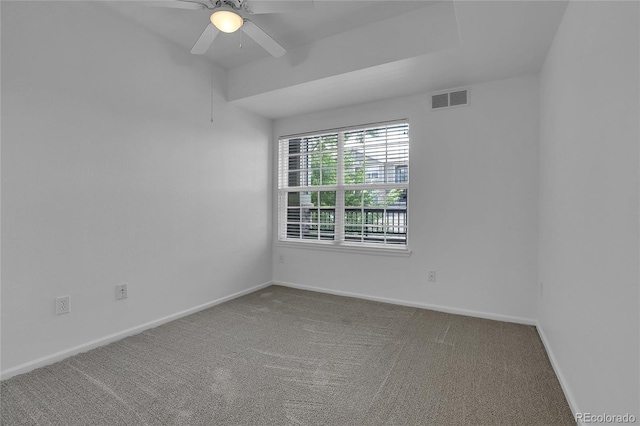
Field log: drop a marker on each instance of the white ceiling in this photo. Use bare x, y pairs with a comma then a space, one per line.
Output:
494, 40
291, 29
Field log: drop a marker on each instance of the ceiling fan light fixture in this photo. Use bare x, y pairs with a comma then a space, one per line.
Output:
226, 21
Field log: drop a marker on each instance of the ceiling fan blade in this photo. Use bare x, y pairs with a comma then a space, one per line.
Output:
177, 4
278, 6
263, 39
205, 40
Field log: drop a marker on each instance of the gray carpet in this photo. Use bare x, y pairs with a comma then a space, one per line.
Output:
281, 356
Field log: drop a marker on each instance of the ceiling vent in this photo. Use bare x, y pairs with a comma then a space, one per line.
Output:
449, 99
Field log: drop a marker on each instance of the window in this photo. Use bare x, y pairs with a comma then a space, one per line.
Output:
402, 173
345, 187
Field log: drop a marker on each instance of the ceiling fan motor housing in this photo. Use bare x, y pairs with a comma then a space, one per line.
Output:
235, 5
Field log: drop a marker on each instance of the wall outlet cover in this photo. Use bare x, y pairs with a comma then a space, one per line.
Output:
63, 305
121, 291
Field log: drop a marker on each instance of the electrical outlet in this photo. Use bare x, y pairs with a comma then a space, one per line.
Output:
62, 305
432, 276
282, 258
121, 291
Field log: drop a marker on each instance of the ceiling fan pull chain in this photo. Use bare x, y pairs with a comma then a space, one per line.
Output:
212, 83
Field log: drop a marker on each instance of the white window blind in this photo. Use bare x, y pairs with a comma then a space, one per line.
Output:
345, 187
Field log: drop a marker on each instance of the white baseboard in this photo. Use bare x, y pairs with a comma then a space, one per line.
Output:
556, 368
447, 309
59, 356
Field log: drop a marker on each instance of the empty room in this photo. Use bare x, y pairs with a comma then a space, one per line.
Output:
342, 213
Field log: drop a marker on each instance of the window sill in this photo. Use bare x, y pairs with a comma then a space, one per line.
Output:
346, 248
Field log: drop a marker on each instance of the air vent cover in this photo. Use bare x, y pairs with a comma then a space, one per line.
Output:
440, 101
458, 98
449, 99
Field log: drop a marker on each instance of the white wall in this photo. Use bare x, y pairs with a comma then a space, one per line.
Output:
112, 172
472, 206
589, 213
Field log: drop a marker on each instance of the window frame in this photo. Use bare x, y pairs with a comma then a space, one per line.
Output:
339, 243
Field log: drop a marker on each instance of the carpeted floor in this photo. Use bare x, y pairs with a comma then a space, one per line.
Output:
282, 356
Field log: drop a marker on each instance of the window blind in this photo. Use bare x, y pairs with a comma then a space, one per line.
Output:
346, 186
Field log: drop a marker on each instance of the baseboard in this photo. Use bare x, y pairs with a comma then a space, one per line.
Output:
440, 308
59, 356
556, 368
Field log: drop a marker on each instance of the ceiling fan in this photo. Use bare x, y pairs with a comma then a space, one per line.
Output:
229, 16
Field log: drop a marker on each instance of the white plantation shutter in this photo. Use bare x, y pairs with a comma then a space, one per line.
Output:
347, 186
